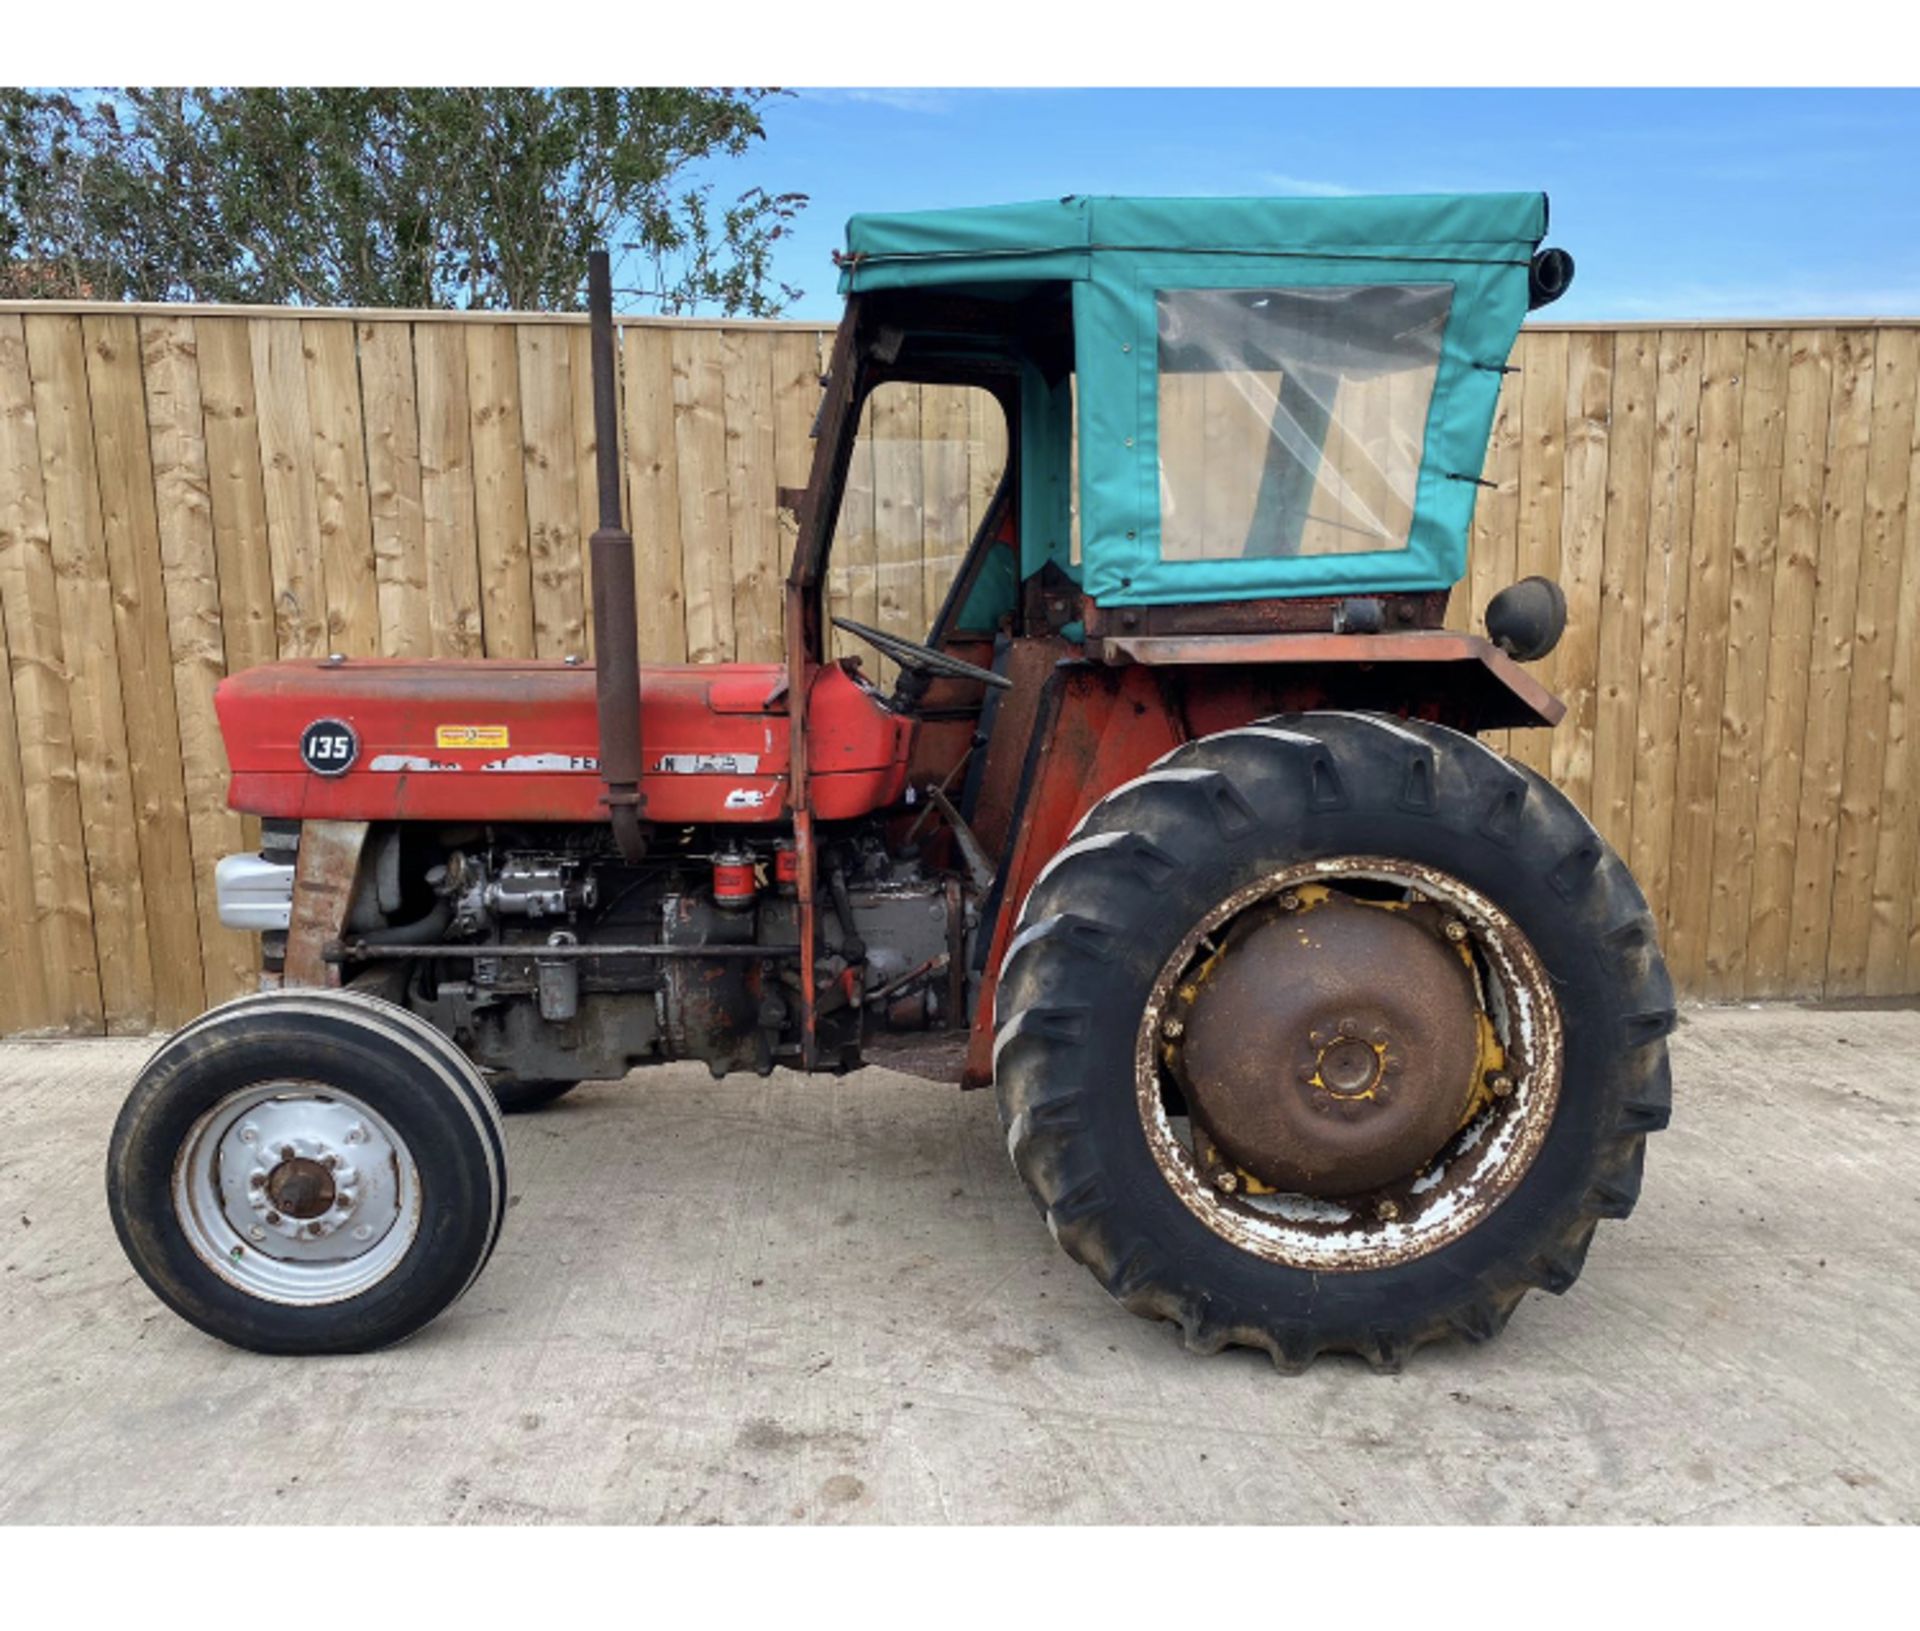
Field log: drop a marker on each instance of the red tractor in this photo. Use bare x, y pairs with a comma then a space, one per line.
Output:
1315, 1023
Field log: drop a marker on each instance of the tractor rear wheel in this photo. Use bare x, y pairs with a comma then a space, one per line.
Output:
306, 1172
1336, 1033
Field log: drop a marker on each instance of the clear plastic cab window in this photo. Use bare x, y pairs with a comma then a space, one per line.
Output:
1292, 421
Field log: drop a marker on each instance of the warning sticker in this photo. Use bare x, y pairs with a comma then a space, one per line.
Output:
470, 736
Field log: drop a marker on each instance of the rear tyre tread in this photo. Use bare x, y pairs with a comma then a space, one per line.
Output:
1171, 816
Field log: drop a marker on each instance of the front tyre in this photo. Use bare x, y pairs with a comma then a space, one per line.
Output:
1333, 1033
308, 1172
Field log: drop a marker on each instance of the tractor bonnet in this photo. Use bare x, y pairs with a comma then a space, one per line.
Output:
1275, 396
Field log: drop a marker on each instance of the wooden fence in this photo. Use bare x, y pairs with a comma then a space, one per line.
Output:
1734, 512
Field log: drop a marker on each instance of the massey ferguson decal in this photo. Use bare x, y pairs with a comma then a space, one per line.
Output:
527, 762
328, 747
708, 764
410, 762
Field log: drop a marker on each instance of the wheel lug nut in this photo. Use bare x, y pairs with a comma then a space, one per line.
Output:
1502, 1085
1289, 902
273, 1218
1387, 1211
1456, 931
257, 1232
1226, 1180
1173, 1030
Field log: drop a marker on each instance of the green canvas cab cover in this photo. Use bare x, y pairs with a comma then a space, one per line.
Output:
1275, 396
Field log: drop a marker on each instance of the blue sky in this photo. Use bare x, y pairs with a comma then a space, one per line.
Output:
1675, 204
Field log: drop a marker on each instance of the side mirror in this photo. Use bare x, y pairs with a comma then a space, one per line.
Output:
1526, 619
1549, 276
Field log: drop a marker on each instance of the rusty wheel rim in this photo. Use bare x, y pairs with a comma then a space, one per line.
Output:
1382, 1220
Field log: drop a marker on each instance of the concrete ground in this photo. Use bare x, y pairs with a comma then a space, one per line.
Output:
823, 1301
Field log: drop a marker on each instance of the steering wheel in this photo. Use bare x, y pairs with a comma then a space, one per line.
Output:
919, 659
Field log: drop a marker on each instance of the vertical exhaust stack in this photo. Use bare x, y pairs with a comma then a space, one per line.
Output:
616, 628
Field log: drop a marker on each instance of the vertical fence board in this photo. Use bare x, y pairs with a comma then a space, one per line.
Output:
796, 399
393, 488
1704, 653
1888, 969
499, 491
1789, 638
108, 802
132, 527
586, 463
1589, 406
342, 508
899, 518
1663, 611
1623, 573
1543, 448
700, 431
170, 367
94, 723
1829, 672
752, 524
286, 466
947, 478
987, 459
236, 491
1749, 609
64, 993
446, 491
1870, 662
23, 990
554, 534
653, 480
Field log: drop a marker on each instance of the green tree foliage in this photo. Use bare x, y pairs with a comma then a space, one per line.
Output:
480, 198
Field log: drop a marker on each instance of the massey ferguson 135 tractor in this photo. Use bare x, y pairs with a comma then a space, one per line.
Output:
1315, 1024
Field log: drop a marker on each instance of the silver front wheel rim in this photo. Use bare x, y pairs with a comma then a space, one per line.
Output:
297, 1193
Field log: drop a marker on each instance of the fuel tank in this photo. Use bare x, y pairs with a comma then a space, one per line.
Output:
444, 740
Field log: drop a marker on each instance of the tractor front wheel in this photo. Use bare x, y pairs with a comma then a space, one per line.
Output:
307, 1172
1333, 1033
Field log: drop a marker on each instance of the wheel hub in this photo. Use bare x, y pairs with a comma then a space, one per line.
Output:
296, 1193
1330, 1045
1349, 1068
300, 1186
